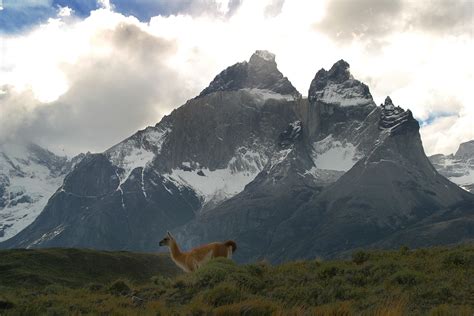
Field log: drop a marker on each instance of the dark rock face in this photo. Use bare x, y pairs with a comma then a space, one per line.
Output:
259, 73
465, 151
337, 103
250, 160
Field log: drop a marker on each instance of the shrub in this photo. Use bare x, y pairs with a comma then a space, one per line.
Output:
357, 278
214, 272
94, 287
359, 257
450, 310
4, 304
329, 272
404, 250
119, 287
456, 259
222, 294
407, 277
53, 289
248, 308
161, 281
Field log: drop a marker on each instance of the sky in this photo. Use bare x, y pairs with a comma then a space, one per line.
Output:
82, 75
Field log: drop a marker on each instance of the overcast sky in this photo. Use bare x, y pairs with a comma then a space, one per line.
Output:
81, 75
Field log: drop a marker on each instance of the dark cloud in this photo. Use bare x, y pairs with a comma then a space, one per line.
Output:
443, 16
109, 97
346, 19
371, 20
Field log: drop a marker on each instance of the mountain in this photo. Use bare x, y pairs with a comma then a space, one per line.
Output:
29, 175
203, 153
387, 184
459, 168
250, 159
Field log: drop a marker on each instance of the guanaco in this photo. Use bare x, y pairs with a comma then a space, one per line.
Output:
192, 260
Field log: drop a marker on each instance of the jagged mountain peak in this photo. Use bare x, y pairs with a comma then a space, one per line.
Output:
465, 150
338, 87
338, 73
396, 119
262, 55
260, 72
388, 104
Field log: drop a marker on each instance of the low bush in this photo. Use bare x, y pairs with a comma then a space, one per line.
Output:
119, 287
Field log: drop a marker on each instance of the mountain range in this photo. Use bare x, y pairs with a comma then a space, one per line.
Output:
250, 159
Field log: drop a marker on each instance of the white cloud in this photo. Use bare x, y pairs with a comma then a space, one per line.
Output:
429, 72
64, 12
105, 4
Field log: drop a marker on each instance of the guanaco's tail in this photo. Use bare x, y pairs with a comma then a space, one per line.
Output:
231, 243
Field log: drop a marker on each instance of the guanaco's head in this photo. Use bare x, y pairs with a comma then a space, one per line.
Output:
167, 240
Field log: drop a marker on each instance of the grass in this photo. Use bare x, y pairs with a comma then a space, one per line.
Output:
435, 281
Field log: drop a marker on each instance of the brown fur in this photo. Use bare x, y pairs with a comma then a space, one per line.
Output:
191, 260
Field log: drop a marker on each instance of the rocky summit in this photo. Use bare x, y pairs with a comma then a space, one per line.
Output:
458, 167
250, 159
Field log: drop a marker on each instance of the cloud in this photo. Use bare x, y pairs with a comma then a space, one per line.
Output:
108, 98
346, 19
372, 20
444, 17
274, 8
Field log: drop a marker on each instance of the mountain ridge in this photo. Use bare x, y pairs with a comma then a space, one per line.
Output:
250, 159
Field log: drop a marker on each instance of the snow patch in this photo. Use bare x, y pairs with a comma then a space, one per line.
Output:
341, 95
262, 95
137, 151
266, 55
220, 184
279, 157
324, 176
331, 154
47, 236
29, 183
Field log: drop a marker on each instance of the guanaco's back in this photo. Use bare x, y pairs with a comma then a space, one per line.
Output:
191, 260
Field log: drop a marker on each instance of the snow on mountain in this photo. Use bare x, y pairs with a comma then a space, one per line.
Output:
29, 175
262, 95
338, 87
260, 72
459, 168
343, 95
330, 154
214, 186
138, 150
392, 116
266, 55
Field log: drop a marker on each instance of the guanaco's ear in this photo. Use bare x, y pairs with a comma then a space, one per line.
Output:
169, 234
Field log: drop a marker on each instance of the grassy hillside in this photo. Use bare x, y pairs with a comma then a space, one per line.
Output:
436, 281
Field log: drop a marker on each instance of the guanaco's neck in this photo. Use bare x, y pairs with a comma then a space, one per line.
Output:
174, 249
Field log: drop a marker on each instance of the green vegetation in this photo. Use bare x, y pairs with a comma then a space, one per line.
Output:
435, 281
